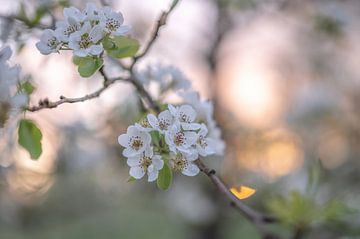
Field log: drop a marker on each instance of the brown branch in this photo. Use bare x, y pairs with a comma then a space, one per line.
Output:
46, 104
257, 218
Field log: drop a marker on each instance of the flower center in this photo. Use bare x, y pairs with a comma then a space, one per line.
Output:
180, 163
144, 123
145, 162
52, 42
179, 138
85, 41
163, 124
112, 24
136, 143
71, 29
184, 117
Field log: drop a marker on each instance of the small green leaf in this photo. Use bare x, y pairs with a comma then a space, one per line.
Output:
77, 60
124, 47
165, 177
27, 87
108, 44
131, 179
30, 138
89, 65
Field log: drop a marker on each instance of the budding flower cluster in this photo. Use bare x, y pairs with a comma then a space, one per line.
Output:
83, 31
176, 137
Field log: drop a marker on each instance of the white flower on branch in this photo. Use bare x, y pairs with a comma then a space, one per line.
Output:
162, 122
86, 41
135, 142
145, 163
180, 140
112, 22
49, 42
185, 115
183, 162
83, 31
205, 146
72, 23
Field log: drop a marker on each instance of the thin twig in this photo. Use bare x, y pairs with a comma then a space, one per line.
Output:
46, 104
248, 212
159, 23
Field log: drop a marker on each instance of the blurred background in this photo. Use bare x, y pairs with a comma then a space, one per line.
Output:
284, 76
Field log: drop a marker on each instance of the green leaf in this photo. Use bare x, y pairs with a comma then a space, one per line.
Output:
30, 138
77, 60
165, 177
124, 47
88, 65
131, 179
27, 87
108, 44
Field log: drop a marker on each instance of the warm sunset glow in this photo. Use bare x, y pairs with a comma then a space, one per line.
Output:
274, 154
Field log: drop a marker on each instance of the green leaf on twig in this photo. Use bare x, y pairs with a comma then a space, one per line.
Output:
87, 66
121, 47
30, 138
165, 177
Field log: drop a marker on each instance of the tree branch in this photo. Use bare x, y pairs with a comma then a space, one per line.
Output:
46, 104
162, 20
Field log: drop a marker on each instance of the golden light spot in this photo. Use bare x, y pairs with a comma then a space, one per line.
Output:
242, 192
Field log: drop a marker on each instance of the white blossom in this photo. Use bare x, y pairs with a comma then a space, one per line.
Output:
178, 139
49, 42
92, 14
86, 41
185, 163
135, 142
162, 122
205, 114
112, 22
205, 146
145, 163
72, 23
144, 125
185, 115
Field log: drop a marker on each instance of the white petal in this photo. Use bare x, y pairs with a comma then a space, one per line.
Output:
190, 126
191, 137
188, 111
157, 162
123, 140
96, 34
133, 161
80, 52
137, 172
43, 48
152, 120
122, 30
5, 53
96, 50
152, 176
172, 109
191, 170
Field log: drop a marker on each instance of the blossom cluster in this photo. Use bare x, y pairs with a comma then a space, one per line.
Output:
175, 136
83, 31
10, 99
